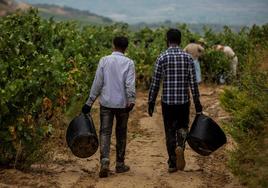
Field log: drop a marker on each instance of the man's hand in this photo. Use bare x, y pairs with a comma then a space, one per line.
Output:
130, 107
86, 109
151, 108
198, 106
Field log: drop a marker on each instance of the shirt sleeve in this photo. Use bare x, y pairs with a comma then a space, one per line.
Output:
97, 85
130, 83
193, 82
156, 79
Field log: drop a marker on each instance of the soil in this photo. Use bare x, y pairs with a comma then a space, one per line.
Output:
146, 155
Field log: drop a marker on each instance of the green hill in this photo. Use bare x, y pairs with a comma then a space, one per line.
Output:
57, 12
67, 13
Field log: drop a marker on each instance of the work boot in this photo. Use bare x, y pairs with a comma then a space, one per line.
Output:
104, 170
121, 167
172, 164
180, 161
182, 137
172, 168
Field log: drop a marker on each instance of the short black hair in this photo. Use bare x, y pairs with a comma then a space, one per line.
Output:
192, 40
120, 42
174, 36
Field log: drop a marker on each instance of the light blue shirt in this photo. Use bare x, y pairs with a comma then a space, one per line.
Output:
114, 82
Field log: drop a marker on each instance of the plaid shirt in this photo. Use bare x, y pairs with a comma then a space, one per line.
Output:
176, 68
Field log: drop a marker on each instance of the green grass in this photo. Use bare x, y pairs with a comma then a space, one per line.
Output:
248, 104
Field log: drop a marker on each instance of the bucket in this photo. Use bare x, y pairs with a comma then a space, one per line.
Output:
205, 135
81, 136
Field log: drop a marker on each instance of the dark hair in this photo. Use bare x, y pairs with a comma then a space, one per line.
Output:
174, 36
120, 43
192, 40
217, 42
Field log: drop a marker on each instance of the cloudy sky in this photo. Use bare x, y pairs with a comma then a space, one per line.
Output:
242, 12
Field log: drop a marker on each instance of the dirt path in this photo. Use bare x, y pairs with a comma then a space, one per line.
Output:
146, 154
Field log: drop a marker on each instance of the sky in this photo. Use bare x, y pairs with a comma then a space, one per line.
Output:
230, 12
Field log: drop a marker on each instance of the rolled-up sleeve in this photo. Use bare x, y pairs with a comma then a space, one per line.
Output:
130, 83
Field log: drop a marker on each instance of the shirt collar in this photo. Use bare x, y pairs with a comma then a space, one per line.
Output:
173, 47
118, 53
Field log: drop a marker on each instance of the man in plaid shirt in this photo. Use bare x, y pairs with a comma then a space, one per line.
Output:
175, 68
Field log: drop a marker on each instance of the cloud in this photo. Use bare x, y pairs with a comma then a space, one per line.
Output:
118, 16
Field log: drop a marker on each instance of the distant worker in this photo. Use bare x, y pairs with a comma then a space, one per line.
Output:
195, 50
228, 51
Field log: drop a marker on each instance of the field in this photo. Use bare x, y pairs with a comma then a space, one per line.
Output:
47, 68
146, 154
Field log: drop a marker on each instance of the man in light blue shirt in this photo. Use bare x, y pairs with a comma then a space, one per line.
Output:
114, 84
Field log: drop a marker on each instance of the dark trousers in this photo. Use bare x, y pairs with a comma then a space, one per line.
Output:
176, 120
107, 117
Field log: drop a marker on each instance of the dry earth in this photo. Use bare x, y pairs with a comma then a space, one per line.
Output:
146, 154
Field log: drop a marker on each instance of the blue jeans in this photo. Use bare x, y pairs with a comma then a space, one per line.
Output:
107, 117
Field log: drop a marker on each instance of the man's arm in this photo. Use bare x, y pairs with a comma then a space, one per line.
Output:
194, 87
97, 85
130, 84
156, 79
155, 85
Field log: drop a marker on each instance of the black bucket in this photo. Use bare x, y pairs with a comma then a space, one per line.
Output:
81, 136
205, 135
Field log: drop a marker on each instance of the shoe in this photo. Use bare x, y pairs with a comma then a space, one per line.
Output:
121, 168
172, 165
172, 169
180, 161
104, 171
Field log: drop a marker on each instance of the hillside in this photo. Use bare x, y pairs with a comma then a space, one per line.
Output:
67, 13
6, 6
55, 11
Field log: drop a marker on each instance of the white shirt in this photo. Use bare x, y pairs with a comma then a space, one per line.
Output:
229, 51
114, 82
